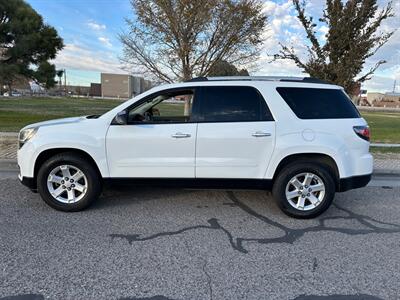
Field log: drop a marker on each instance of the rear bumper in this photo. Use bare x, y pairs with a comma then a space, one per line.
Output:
354, 182
28, 182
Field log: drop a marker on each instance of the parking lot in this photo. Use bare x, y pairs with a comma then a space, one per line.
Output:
152, 243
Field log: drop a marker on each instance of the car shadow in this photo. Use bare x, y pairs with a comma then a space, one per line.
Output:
123, 195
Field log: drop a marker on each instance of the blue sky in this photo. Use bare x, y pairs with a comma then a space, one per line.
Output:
90, 31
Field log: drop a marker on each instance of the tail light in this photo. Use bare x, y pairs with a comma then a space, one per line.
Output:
363, 132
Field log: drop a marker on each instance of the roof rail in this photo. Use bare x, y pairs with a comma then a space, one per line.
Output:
308, 80
259, 78
197, 79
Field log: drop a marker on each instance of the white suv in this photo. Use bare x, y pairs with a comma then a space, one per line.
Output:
300, 137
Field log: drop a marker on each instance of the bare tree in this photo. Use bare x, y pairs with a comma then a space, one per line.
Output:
353, 37
179, 39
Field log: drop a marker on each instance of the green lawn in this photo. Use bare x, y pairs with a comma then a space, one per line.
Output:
15, 113
385, 126
18, 112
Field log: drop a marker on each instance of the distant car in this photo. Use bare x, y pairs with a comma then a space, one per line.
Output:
13, 94
300, 137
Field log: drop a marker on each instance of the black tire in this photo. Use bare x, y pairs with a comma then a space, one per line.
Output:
68, 158
293, 169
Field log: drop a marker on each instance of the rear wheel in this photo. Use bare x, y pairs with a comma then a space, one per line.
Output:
304, 190
68, 182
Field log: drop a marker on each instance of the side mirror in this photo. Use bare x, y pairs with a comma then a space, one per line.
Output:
121, 118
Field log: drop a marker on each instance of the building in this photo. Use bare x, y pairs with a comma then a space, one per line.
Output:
71, 90
384, 100
78, 90
122, 85
95, 90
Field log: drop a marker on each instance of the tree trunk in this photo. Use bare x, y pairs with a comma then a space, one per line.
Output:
187, 75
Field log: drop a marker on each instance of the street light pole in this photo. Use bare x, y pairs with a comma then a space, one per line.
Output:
65, 82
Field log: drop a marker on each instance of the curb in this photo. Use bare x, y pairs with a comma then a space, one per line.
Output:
8, 165
385, 145
8, 134
386, 172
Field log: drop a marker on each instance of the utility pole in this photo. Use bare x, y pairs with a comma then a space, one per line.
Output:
65, 81
394, 86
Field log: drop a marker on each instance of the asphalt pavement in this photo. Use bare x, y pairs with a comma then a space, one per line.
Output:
152, 243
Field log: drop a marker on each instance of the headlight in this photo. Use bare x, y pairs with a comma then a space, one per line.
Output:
25, 135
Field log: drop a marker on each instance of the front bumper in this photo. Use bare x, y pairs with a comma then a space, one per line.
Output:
28, 182
354, 182
25, 160
26, 157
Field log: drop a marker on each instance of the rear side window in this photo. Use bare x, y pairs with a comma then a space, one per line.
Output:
309, 103
233, 104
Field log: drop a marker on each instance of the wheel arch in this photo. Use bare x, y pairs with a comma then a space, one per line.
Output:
319, 158
46, 154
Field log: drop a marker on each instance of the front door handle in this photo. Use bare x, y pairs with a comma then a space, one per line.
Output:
260, 134
180, 135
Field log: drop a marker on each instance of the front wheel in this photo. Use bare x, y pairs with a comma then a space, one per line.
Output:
304, 190
68, 182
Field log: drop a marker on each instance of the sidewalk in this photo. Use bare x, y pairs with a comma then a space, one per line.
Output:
385, 163
8, 145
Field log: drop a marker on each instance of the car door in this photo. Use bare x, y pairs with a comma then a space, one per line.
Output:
235, 135
158, 139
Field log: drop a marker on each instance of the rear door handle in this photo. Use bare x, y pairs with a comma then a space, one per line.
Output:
260, 134
180, 135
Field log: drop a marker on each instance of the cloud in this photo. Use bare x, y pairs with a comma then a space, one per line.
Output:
390, 52
381, 84
285, 28
105, 41
272, 8
76, 57
323, 31
100, 32
278, 68
95, 26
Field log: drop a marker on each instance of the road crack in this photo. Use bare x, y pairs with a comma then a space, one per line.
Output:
371, 226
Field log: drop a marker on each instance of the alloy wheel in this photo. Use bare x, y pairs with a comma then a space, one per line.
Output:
67, 184
305, 191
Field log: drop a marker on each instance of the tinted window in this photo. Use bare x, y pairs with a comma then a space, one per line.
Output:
308, 103
233, 104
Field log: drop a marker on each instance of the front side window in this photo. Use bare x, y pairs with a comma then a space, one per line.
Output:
169, 107
233, 104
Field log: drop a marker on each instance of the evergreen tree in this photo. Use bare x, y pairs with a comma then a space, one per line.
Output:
353, 37
26, 45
